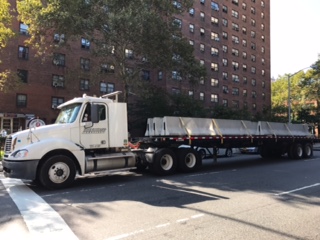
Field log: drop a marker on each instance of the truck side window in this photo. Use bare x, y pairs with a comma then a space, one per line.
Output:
87, 113
102, 112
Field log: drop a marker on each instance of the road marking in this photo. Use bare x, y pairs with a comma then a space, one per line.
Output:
298, 189
42, 221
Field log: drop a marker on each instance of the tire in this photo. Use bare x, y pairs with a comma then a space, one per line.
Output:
228, 152
296, 151
307, 150
188, 160
202, 153
164, 162
57, 172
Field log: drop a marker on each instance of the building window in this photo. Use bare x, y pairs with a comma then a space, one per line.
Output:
244, 30
253, 10
110, 87
225, 62
253, 22
224, 22
191, 42
235, 104
214, 6
225, 76
202, 16
244, 55
215, 36
85, 43
253, 46
145, 75
253, 34
175, 75
202, 31
262, 61
107, 68
191, 11
59, 59
214, 51
235, 39
201, 81
235, 78
177, 22
23, 75
262, 38
244, 18
235, 91
262, 4
254, 94
201, 96
235, 14
201, 62
21, 100
103, 87
262, 15
235, 52
23, 52
224, 9
177, 4
235, 65
253, 69
214, 67
24, 29
56, 101
225, 89
214, 98
224, 35
214, 21
262, 72
262, 49
263, 96
84, 85
244, 43
244, 67
201, 47
58, 37
244, 92
254, 106
263, 84
160, 75
236, 2
225, 102
57, 81
175, 91
202, 2
214, 82
225, 48
191, 27
235, 27
245, 80
253, 58
129, 53
85, 64
244, 6
253, 82
262, 26
190, 93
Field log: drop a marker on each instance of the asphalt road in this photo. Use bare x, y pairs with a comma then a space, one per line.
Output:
242, 197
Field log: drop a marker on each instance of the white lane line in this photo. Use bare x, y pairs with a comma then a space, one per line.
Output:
298, 189
197, 216
42, 221
163, 225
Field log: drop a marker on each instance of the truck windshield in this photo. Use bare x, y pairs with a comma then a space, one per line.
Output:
68, 114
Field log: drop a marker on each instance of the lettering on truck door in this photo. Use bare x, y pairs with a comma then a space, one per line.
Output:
94, 135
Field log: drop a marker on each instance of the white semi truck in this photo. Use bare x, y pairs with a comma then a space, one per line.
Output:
90, 135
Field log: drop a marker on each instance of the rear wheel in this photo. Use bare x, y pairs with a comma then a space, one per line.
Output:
228, 152
188, 160
57, 172
296, 151
164, 162
307, 150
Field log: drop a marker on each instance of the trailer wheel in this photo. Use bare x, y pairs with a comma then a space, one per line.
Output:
188, 160
228, 152
164, 162
202, 153
296, 151
307, 150
57, 172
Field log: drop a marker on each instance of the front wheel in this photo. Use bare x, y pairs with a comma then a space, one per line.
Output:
57, 172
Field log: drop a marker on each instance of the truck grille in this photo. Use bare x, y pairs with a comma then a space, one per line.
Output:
7, 145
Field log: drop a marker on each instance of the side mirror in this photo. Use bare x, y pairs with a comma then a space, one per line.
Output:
94, 113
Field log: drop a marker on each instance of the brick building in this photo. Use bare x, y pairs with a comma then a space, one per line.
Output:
230, 37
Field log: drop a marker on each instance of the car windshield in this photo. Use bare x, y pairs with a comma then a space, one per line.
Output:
68, 114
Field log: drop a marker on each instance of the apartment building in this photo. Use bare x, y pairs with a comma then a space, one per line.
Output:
230, 37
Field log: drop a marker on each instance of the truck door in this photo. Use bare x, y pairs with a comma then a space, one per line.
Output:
94, 135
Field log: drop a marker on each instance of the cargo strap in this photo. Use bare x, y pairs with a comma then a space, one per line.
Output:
217, 129
272, 131
185, 128
247, 130
287, 127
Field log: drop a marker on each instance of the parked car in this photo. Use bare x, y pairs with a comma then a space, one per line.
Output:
249, 150
208, 152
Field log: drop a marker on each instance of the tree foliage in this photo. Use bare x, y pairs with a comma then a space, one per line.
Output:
147, 28
5, 23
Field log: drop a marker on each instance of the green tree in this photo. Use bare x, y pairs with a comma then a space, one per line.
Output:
130, 35
5, 23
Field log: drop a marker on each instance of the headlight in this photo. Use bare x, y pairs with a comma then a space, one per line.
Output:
20, 153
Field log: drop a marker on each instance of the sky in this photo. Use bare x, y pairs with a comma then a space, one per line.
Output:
295, 35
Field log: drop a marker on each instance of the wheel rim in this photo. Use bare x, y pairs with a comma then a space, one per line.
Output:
59, 172
299, 151
190, 160
308, 151
166, 162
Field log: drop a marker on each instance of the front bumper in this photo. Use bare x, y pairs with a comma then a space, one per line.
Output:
20, 169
